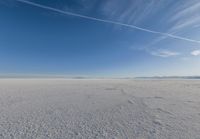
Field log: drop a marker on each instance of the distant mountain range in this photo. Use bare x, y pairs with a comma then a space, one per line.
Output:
170, 77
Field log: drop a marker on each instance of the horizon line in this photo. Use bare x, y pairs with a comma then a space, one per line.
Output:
45, 76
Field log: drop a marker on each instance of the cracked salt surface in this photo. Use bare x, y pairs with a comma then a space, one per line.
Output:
102, 109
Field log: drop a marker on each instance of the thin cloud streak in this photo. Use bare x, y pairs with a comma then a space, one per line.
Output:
164, 53
108, 21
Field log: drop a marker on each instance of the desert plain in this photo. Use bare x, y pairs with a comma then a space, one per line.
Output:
99, 109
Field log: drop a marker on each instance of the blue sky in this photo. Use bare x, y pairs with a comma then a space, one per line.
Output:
100, 38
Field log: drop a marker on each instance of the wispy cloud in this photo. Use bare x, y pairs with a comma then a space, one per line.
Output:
164, 53
129, 11
184, 17
195, 53
187, 21
174, 17
109, 21
187, 10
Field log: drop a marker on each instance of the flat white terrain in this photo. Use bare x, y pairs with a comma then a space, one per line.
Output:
99, 109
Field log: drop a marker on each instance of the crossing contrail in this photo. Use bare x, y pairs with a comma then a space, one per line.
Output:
108, 21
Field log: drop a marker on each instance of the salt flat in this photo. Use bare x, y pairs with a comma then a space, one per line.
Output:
101, 109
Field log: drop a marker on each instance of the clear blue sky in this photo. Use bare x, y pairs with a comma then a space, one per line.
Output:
38, 40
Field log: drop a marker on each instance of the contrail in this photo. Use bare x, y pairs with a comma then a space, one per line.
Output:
108, 21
